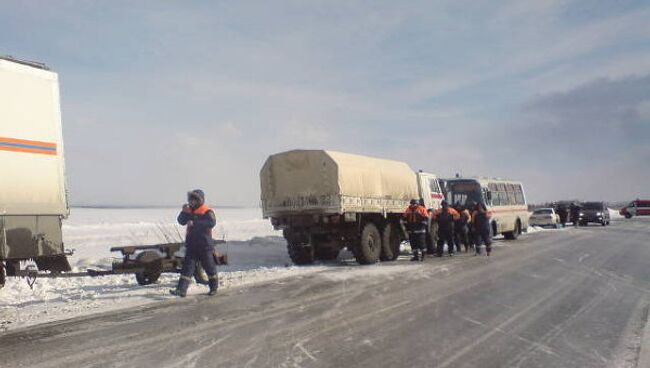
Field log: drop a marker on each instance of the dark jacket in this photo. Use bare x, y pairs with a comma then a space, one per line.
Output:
481, 219
199, 235
445, 219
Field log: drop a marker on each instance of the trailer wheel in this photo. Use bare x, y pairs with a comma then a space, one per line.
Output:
369, 248
150, 260
390, 243
300, 253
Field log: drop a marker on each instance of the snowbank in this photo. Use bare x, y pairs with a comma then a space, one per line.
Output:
614, 215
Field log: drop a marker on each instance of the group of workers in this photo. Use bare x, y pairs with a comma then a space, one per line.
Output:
451, 225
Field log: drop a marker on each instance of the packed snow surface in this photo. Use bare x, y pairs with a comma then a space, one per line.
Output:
255, 251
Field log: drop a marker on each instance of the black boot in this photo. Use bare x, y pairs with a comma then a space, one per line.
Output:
181, 289
214, 284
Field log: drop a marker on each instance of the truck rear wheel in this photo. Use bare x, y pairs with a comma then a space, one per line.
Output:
300, 253
390, 243
369, 248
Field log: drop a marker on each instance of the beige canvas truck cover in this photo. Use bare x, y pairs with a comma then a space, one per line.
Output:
319, 181
32, 168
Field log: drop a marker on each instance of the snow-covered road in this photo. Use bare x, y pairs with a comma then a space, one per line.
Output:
256, 254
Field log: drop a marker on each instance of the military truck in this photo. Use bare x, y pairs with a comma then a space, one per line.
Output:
33, 198
325, 201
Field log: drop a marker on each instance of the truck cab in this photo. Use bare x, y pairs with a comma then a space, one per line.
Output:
429, 189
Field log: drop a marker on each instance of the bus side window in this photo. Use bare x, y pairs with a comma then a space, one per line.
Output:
511, 198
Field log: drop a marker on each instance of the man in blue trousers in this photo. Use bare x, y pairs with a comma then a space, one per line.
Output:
199, 220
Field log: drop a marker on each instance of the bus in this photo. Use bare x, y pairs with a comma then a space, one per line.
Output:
504, 198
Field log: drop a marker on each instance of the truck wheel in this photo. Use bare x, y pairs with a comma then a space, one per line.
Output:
369, 248
151, 262
390, 243
300, 253
326, 254
628, 216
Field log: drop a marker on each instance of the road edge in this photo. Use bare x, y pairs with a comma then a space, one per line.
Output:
644, 347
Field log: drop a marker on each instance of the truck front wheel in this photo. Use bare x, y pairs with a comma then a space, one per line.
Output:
369, 248
300, 253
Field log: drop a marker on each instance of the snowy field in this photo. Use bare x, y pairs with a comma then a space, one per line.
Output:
256, 253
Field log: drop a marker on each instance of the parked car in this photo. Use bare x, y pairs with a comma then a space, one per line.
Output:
596, 212
544, 217
636, 208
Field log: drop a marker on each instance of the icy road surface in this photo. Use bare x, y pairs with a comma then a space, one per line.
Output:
256, 253
568, 298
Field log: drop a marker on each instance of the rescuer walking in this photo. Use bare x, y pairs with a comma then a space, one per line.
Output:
445, 218
200, 220
417, 220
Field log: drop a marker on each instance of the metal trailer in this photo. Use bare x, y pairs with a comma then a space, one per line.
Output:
146, 262
33, 195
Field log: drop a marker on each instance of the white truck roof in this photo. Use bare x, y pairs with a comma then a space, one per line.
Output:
31, 143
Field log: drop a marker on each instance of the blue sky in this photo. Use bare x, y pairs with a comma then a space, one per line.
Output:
160, 97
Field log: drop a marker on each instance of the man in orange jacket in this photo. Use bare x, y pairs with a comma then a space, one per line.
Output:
199, 245
445, 218
417, 220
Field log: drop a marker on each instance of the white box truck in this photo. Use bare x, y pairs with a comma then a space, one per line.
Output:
33, 198
325, 201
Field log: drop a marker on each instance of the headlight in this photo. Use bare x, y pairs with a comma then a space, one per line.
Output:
599, 213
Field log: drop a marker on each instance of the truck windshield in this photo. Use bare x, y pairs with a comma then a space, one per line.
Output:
592, 206
464, 192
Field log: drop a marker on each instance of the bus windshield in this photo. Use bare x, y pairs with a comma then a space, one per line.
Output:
464, 192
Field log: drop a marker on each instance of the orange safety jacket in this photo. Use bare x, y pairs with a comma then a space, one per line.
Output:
454, 214
200, 211
198, 236
417, 218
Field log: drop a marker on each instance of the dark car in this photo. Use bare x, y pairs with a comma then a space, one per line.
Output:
594, 212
